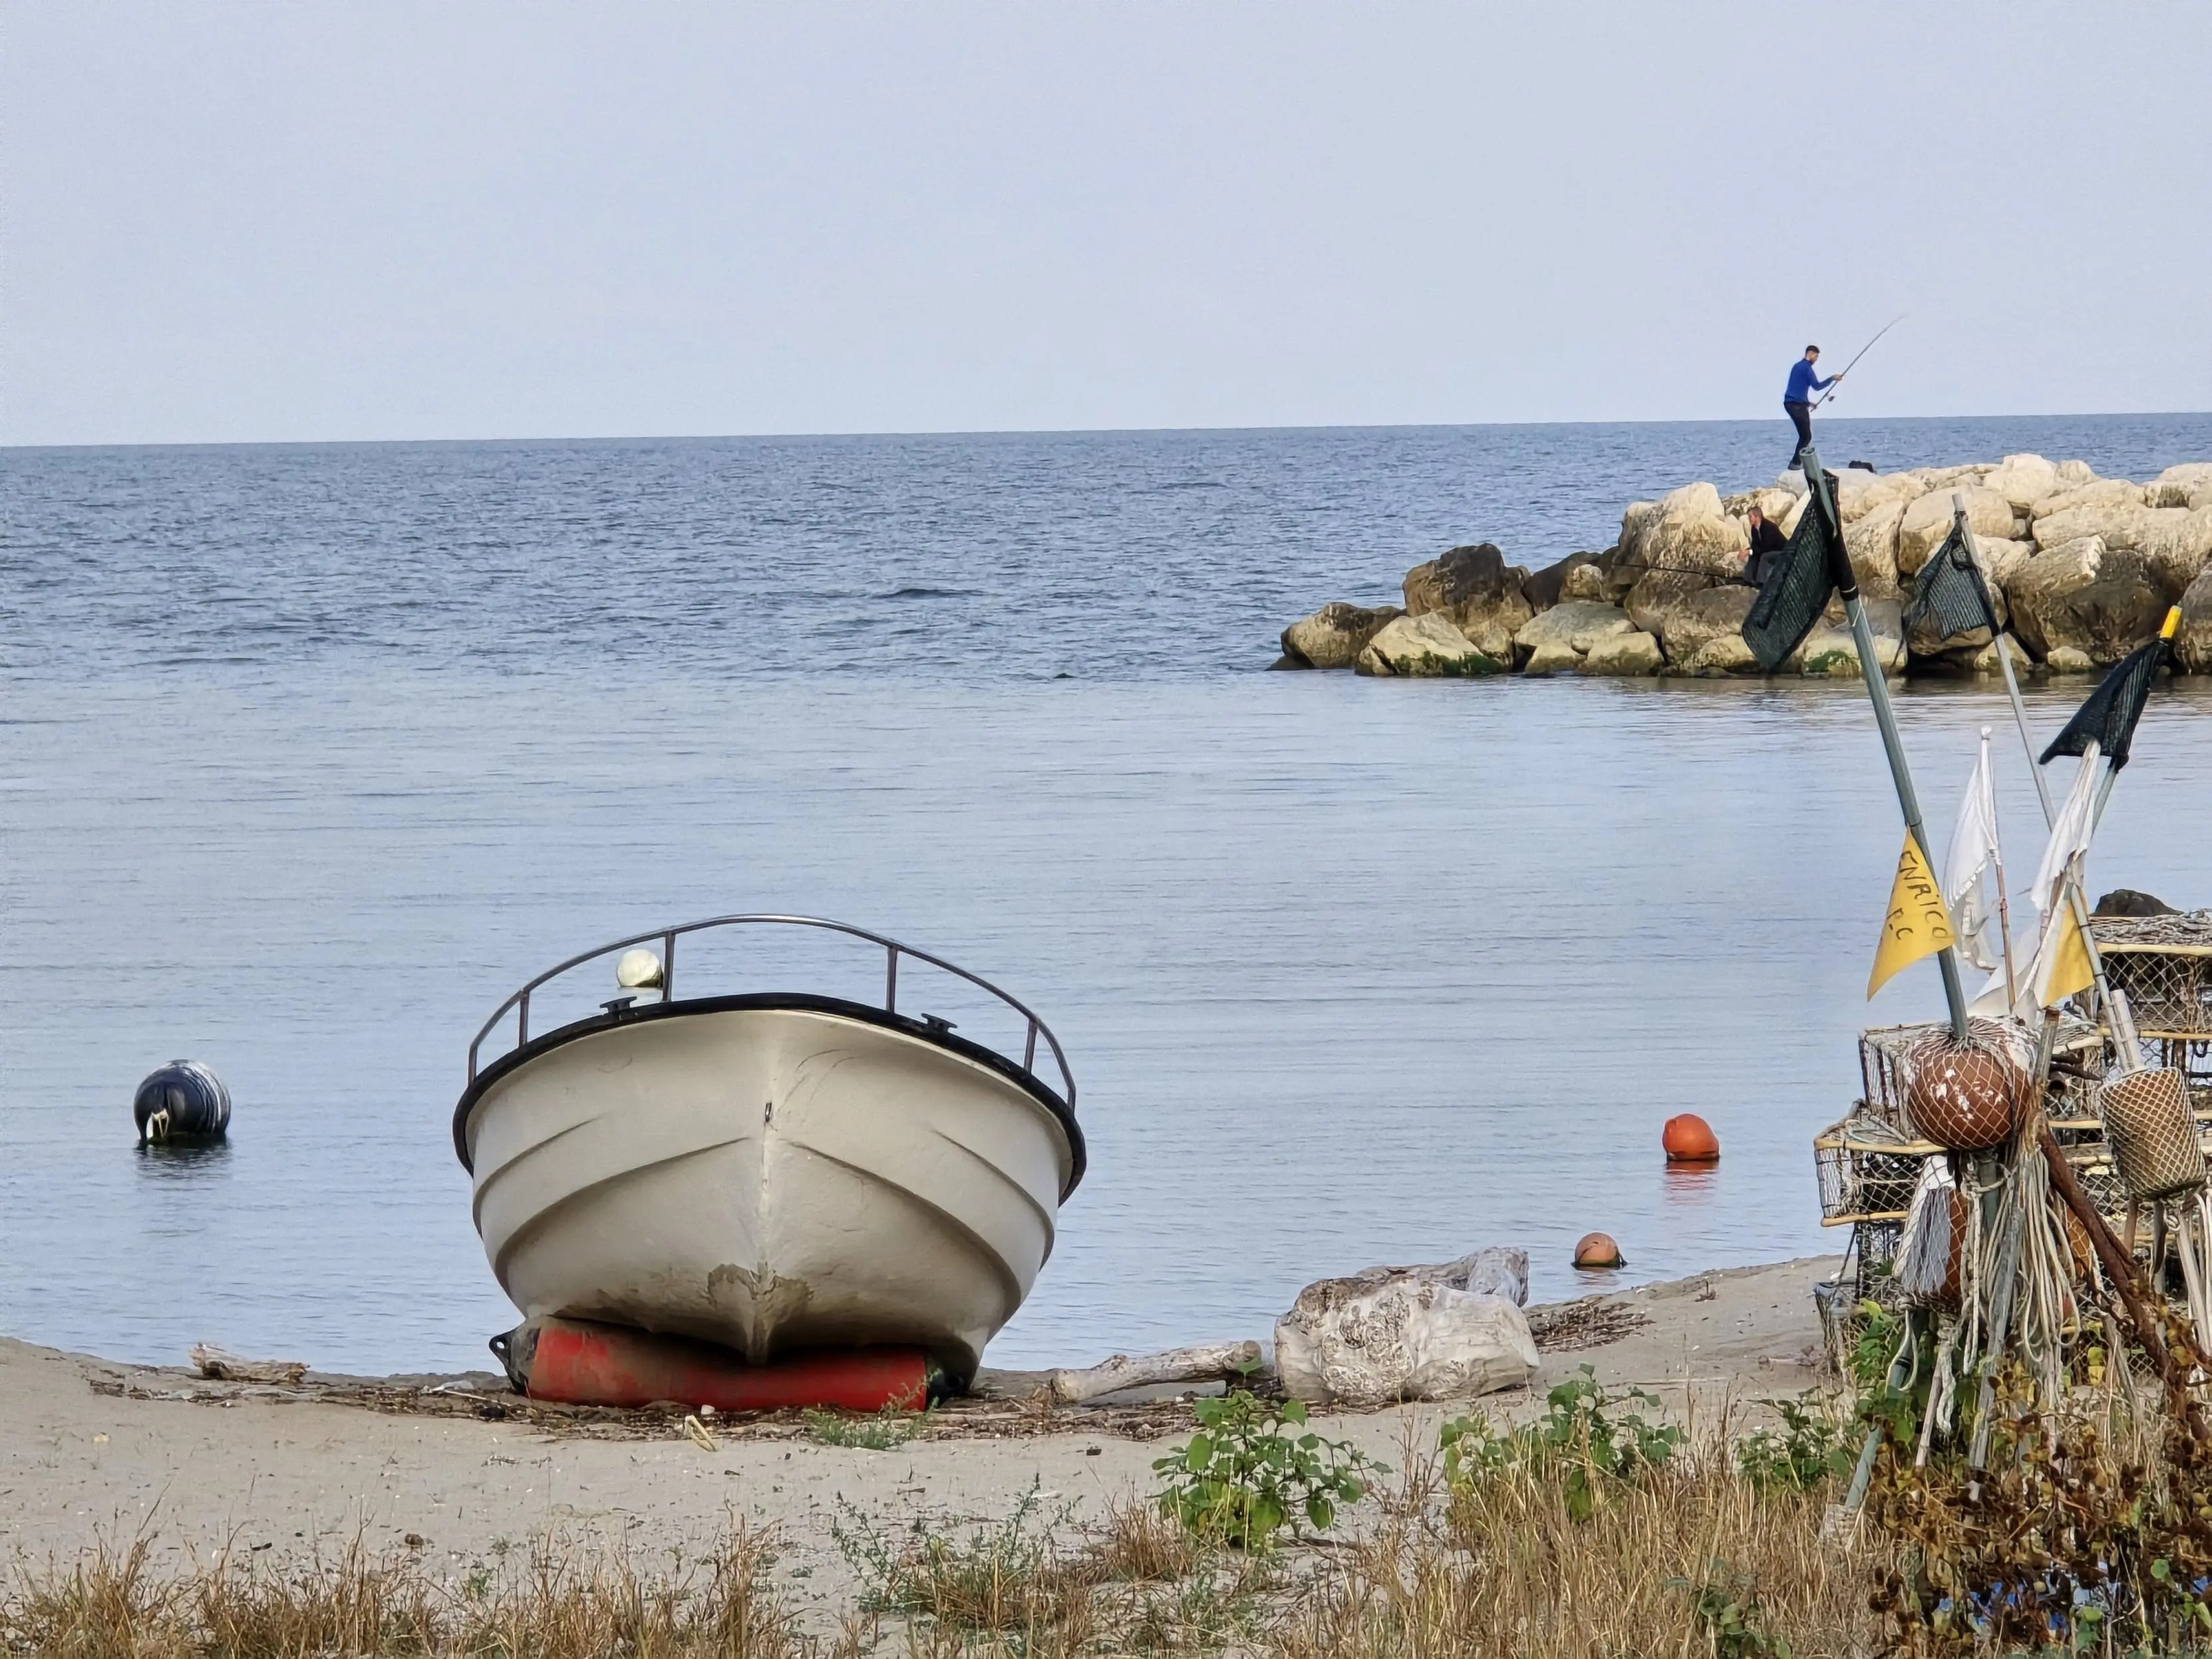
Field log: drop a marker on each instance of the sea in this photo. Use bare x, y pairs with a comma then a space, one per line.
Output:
310, 755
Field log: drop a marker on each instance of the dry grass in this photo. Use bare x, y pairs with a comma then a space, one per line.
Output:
555, 1604
1506, 1569
1496, 1567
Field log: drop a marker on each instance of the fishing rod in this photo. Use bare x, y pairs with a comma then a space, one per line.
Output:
1854, 362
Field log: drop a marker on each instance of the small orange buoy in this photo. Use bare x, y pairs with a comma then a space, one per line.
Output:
1690, 1140
1598, 1250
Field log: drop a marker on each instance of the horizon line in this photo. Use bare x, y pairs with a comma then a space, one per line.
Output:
972, 433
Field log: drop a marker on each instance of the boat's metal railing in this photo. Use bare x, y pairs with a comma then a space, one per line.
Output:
518, 1004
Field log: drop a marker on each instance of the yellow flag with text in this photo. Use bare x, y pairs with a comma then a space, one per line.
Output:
1917, 924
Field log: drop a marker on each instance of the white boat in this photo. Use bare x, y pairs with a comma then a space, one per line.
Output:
773, 1171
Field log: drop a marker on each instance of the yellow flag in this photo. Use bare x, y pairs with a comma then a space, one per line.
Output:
2069, 971
1917, 924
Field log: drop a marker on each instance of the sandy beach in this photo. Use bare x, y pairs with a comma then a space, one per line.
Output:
91, 1450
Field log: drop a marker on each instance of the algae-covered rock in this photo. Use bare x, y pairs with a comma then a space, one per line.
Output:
1474, 589
1334, 636
1426, 647
1627, 656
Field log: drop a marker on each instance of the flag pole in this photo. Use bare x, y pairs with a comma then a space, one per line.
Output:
1965, 530
1821, 490
2004, 915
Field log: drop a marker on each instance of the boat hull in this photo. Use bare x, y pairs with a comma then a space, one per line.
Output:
771, 1178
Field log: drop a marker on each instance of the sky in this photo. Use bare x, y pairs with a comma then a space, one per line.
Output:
461, 219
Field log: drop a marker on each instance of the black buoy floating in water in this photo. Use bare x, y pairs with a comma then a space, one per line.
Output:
184, 1101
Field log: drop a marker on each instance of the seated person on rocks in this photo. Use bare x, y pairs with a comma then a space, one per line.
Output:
1767, 543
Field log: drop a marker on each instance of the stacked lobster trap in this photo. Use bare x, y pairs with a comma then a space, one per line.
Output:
2163, 966
1870, 1163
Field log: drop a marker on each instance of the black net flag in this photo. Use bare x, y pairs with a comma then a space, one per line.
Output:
1949, 598
2110, 714
1794, 594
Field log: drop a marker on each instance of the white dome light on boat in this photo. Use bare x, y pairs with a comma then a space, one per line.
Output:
638, 970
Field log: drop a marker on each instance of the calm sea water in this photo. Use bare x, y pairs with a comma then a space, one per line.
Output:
310, 755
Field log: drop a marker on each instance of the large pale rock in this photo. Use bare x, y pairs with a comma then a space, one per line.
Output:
2186, 485
1474, 589
1928, 521
1546, 588
1634, 520
1684, 613
2120, 523
1833, 653
1554, 641
2085, 597
1871, 541
2192, 646
2073, 474
1427, 646
1576, 624
2174, 541
2177, 543
1723, 656
2096, 492
1626, 656
1999, 559
1689, 530
2024, 480
1585, 581
1859, 493
1449, 1331
1334, 636
1780, 507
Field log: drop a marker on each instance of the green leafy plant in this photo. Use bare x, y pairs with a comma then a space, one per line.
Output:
1006, 1574
1808, 1450
1725, 1611
883, 1430
1254, 1468
1584, 1438
1880, 1332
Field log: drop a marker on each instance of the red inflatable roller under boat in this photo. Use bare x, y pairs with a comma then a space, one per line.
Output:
574, 1363
1690, 1140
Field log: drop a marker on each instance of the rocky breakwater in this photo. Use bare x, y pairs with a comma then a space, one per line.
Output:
2081, 569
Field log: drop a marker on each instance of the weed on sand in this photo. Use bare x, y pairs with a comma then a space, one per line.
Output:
554, 1604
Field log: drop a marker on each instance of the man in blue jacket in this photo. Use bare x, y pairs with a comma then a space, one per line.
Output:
1804, 380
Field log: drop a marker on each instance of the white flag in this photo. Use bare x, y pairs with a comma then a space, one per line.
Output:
1973, 870
2055, 973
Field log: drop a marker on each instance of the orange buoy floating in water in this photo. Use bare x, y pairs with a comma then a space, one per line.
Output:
1690, 1140
1598, 1250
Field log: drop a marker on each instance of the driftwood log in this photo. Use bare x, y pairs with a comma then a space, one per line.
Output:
227, 1367
1202, 1363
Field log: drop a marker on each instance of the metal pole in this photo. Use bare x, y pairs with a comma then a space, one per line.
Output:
1878, 693
2004, 661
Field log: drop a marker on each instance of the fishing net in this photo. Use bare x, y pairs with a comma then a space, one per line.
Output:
1794, 594
1950, 604
1967, 1095
2153, 1136
2110, 714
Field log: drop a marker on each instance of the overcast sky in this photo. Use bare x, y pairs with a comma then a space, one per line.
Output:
459, 219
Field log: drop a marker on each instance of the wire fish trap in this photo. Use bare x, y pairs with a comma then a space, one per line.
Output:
2152, 1134
2164, 965
1867, 1170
